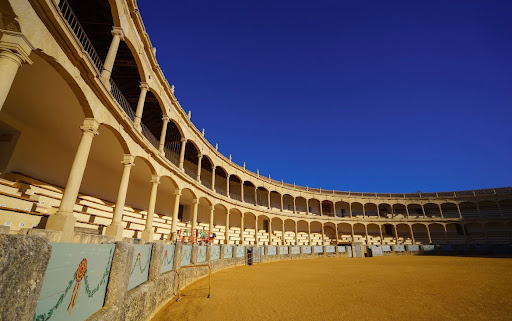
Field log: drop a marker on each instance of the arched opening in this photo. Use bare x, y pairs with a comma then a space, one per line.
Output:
185, 212
314, 206
388, 234
288, 202
249, 192
191, 159
476, 233
489, 209
219, 223
399, 210
415, 210
404, 234
497, 233
344, 233
385, 210
420, 233
506, 207
300, 205
206, 172
432, 210
359, 233
235, 221
172, 146
249, 228
302, 232
468, 210
450, 210
275, 200
221, 178
357, 209
289, 232
330, 233
263, 229
437, 233
327, 208
455, 233
164, 207
342, 209
277, 231
203, 214
370, 210
316, 233
235, 187
151, 121
374, 233
262, 196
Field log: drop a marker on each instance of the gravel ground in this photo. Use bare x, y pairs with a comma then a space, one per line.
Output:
381, 288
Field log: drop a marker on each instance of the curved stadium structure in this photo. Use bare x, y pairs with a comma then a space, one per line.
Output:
94, 141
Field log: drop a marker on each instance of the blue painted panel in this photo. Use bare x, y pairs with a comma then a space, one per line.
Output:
215, 255
74, 270
186, 254
330, 249
272, 250
167, 258
295, 250
201, 253
376, 250
228, 252
306, 249
283, 250
341, 249
349, 248
446, 248
399, 248
413, 248
140, 265
386, 248
240, 251
358, 250
429, 248
318, 249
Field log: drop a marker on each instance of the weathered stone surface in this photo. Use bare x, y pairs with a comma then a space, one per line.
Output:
136, 302
4, 229
23, 262
51, 235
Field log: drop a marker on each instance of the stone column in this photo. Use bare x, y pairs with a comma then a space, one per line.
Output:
309, 233
283, 233
213, 178
227, 186
321, 210
165, 121
268, 197
282, 203
407, 210
177, 194
148, 233
256, 242
364, 212
307, 207
226, 233
323, 234
294, 206
108, 65
242, 229
396, 233
412, 235
14, 51
64, 220
198, 174
445, 233
296, 234
270, 232
334, 209
195, 205
352, 232
458, 210
366, 233
350, 209
115, 229
423, 210
381, 238
182, 152
210, 226
140, 105
378, 211
440, 210
256, 196
428, 234
242, 191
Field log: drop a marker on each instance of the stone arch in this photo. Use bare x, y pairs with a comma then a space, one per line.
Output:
206, 171
250, 228
450, 210
275, 200
342, 209
420, 233
235, 187
300, 203
221, 178
316, 233
287, 202
345, 233
249, 192
302, 231
289, 232
374, 233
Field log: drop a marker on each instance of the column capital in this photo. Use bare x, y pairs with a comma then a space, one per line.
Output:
183, 140
195, 201
177, 191
165, 118
118, 31
90, 125
17, 45
155, 179
144, 86
199, 156
128, 160
212, 208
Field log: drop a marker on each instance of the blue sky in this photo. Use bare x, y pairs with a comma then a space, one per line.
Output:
373, 96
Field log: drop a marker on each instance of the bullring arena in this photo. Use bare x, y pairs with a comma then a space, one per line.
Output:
109, 195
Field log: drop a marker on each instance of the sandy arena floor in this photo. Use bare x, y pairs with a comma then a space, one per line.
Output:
382, 288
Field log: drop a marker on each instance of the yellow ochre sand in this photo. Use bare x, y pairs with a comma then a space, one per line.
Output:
381, 288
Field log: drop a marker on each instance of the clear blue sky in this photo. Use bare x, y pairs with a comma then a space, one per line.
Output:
373, 96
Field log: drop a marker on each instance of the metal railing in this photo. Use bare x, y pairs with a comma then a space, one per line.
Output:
121, 100
149, 135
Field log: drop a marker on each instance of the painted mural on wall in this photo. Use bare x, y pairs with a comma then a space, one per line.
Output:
429, 248
295, 250
140, 265
215, 255
186, 254
283, 250
386, 248
271, 250
75, 283
318, 249
228, 252
306, 249
341, 249
240, 251
376, 250
413, 248
167, 258
201, 253
399, 248
330, 249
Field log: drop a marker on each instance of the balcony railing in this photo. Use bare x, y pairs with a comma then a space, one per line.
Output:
121, 100
149, 135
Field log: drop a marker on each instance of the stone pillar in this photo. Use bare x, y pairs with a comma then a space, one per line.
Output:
412, 234
296, 234
198, 174
336, 228
428, 234
165, 121
366, 233
242, 229
210, 226
182, 152
440, 210
333, 208
256, 196
378, 211
213, 178
381, 237
445, 233
227, 185
423, 210
283, 233
268, 197
195, 205
226, 233
294, 206
256, 242
177, 194
307, 207
140, 105
64, 220
458, 210
148, 233
323, 234
350, 209
282, 206
352, 232
108, 65
364, 212
115, 229
396, 233
321, 210
270, 232
407, 211
309, 233
14, 51
242, 191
